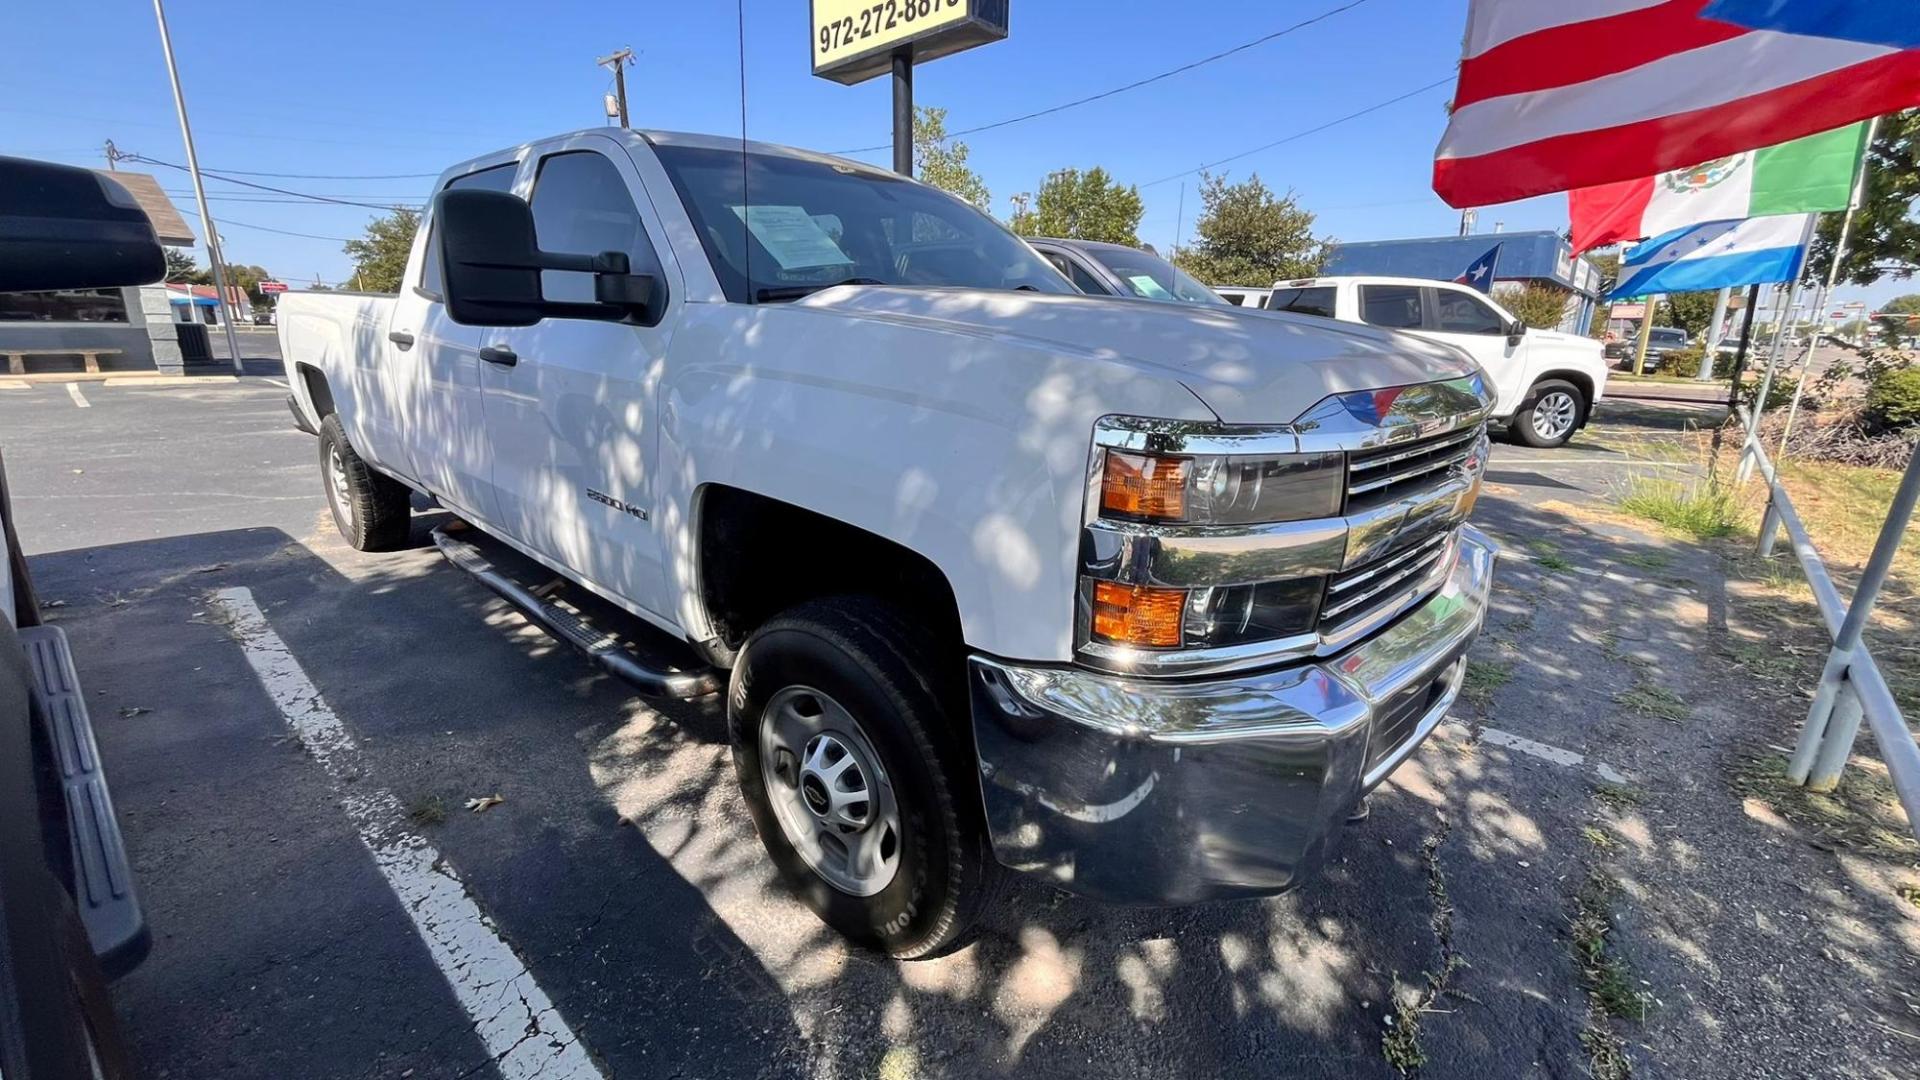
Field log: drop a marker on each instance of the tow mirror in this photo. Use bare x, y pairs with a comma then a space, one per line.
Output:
490, 264
63, 227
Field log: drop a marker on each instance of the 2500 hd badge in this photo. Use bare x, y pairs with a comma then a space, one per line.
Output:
623, 507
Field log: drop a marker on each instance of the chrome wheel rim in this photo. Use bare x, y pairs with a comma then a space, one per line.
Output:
1553, 414
833, 800
337, 479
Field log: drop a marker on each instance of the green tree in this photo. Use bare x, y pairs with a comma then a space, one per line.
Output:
1608, 263
942, 162
1885, 238
1690, 311
1077, 205
380, 257
180, 265
1894, 331
1247, 235
1539, 306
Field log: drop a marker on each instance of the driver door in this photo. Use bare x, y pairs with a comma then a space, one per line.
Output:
1462, 318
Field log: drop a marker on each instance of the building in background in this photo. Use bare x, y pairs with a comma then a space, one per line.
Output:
201, 304
135, 328
1542, 258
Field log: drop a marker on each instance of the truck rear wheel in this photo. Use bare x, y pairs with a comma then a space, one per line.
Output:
372, 510
848, 746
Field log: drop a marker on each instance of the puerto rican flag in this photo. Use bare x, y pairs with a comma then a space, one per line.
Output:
1571, 93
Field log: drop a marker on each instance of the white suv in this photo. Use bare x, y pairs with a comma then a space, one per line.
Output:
1547, 381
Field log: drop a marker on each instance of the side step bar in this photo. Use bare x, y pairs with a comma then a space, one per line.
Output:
604, 649
103, 883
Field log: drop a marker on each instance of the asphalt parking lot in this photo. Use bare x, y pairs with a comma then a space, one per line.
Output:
618, 913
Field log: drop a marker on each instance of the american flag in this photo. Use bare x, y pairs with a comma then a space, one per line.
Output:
1571, 93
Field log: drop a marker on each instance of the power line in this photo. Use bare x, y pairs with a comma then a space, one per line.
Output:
224, 222
1303, 134
1136, 84
263, 187
334, 176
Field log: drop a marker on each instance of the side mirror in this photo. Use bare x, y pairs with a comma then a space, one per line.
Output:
63, 227
490, 264
1515, 331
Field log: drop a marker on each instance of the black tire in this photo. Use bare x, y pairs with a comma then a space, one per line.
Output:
374, 512
1543, 421
909, 699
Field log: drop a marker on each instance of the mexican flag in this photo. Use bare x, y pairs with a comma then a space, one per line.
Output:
1805, 175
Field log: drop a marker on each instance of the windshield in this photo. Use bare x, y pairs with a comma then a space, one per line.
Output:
814, 224
1670, 337
1152, 277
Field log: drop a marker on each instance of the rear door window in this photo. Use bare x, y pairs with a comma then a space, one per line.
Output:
1317, 300
494, 178
1397, 307
1459, 312
1081, 277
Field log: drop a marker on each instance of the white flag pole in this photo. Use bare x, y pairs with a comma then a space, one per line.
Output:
1745, 469
1833, 276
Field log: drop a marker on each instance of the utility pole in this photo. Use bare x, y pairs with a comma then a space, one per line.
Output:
199, 188
1652, 302
113, 156
1180, 218
1467, 219
618, 61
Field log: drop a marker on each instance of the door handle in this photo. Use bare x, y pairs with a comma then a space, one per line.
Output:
400, 338
499, 354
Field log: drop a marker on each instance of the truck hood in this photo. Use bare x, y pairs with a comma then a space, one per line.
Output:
1248, 366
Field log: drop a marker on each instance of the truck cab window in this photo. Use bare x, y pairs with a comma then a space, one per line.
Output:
1079, 275
1396, 307
496, 178
1457, 312
1315, 300
581, 206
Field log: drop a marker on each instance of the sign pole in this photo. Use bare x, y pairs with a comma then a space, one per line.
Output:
1712, 345
903, 111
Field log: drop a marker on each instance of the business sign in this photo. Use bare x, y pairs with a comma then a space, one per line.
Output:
273, 287
854, 40
1628, 311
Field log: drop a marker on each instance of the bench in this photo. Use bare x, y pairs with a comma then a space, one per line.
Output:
17, 358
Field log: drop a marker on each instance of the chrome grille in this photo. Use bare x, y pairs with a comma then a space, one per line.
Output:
1384, 473
1359, 592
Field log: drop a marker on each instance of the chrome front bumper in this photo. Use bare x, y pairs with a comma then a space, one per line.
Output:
1156, 791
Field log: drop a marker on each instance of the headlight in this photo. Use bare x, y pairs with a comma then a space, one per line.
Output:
1220, 489
1160, 618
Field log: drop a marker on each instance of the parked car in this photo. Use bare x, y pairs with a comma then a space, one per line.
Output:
1139, 598
1547, 382
1117, 270
70, 918
1241, 296
1661, 340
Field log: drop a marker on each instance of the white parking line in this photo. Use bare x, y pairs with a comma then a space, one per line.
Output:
513, 1016
1554, 754
73, 391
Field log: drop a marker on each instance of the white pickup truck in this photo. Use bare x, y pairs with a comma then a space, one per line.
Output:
1140, 598
1546, 382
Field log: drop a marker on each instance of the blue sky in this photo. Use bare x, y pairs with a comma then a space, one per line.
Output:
353, 87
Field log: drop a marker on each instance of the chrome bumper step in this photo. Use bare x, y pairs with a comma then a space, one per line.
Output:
634, 657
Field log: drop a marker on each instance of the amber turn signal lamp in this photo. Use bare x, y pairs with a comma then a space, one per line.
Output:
1142, 486
1137, 614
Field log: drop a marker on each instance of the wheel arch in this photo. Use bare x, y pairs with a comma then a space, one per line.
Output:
1579, 380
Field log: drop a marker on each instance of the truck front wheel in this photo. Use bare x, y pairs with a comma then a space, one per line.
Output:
1550, 416
847, 743
372, 510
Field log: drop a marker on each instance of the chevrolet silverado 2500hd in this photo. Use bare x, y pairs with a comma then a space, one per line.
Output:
1140, 598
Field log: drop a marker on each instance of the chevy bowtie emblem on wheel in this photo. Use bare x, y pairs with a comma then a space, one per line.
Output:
623, 507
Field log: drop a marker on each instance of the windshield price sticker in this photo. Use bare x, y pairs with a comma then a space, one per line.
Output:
792, 236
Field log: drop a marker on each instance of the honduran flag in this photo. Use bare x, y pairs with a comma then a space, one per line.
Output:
1815, 173
1716, 255
1561, 94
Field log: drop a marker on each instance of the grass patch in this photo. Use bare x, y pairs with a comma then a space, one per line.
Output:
1863, 814
1482, 678
1609, 986
1546, 555
427, 811
1692, 508
1400, 1045
1909, 893
1656, 701
1606, 1052
1647, 560
1618, 796
1599, 838
1770, 664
